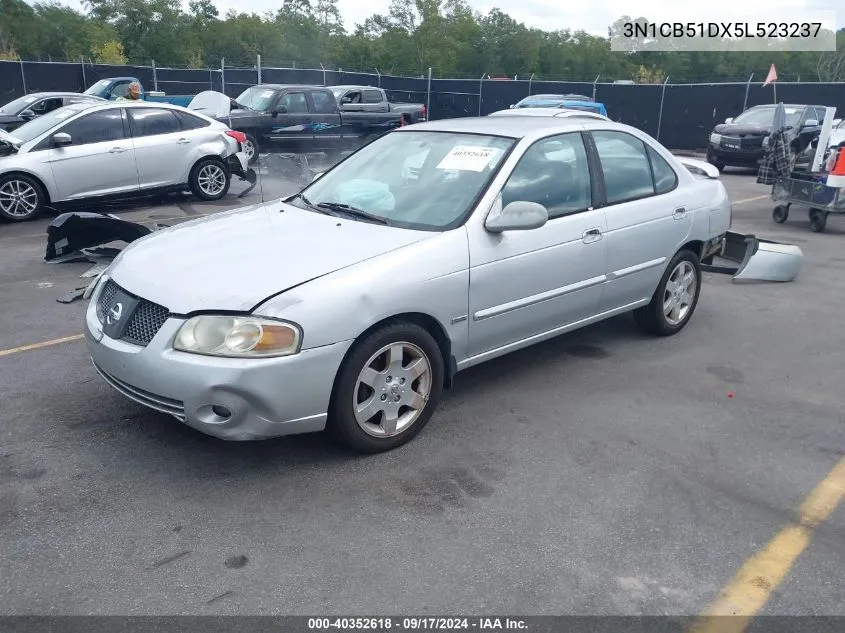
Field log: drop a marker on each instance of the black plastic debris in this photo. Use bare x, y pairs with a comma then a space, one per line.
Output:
70, 233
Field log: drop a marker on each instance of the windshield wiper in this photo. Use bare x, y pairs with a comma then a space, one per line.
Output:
311, 205
354, 212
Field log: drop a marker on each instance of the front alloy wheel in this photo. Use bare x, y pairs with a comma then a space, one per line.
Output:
20, 198
387, 388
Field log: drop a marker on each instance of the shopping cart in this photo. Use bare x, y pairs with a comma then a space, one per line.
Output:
807, 190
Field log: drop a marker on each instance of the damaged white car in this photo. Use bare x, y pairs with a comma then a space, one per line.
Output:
439, 246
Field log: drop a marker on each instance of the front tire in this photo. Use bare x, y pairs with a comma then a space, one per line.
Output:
210, 179
387, 388
675, 299
22, 198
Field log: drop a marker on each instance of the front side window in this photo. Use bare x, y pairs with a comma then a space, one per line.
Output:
46, 105
418, 180
553, 172
153, 121
97, 127
295, 103
625, 165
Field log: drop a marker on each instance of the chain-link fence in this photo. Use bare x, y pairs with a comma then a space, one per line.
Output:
681, 116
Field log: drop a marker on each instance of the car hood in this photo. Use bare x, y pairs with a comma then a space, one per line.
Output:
752, 130
237, 259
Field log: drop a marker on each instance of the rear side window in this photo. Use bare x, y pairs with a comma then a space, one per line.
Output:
189, 121
153, 121
97, 127
665, 178
625, 165
372, 96
324, 102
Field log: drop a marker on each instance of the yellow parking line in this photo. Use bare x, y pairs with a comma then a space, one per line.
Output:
754, 199
755, 581
55, 341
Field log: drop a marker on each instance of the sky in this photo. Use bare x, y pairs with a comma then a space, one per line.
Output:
593, 17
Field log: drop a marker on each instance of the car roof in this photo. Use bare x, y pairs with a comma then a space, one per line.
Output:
284, 86
351, 86
38, 95
515, 127
550, 112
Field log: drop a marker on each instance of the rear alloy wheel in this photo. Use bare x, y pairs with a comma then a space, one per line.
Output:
387, 389
210, 179
675, 299
21, 198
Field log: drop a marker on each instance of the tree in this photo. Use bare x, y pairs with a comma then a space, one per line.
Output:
109, 53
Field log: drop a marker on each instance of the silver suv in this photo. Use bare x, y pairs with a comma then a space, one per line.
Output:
91, 151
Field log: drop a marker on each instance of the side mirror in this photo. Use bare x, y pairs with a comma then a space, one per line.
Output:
345, 100
811, 123
28, 114
516, 216
279, 110
62, 139
512, 106
729, 120
317, 176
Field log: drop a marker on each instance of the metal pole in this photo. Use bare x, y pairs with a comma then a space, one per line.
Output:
428, 95
223, 75
23, 77
775, 86
210, 79
155, 77
530, 79
258, 66
379, 77
660, 116
323, 68
594, 86
747, 86
84, 80
480, 92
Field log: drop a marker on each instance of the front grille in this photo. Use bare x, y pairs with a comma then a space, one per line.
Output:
176, 408
106, 296
145, 323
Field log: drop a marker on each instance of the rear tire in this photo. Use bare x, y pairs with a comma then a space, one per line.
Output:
210, 179
387, 388
675, 299
22, 198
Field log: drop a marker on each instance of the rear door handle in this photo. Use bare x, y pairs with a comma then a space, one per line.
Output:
591, 235
183, 141
679, 213
117, 150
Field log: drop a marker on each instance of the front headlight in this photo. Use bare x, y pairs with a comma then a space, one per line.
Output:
715, 138
238, 337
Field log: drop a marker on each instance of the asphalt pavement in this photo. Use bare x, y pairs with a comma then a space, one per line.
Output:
604, 472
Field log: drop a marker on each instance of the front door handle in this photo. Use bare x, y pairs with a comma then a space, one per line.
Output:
183, 141
591, 235
679, 213
117, 150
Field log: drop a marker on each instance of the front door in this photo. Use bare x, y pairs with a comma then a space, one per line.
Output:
161, 147
292, 127
326, 120
648, 217
527, 283
99, 161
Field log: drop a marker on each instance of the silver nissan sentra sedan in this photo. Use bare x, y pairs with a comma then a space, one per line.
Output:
439, 246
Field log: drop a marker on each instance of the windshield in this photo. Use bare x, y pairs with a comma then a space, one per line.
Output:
35, 128
765, 116
257, 98
18, 105
416, 180
98, 87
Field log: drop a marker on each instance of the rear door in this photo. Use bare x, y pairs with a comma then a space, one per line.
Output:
373, 100
99, 162
648, 216
161, 147
326, 120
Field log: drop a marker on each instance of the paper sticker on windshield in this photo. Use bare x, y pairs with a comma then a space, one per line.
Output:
265, 94
468, 158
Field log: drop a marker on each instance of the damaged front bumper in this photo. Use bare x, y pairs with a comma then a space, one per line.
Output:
756, 259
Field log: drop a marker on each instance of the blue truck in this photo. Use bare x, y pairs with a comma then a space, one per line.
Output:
116, 87
569, 101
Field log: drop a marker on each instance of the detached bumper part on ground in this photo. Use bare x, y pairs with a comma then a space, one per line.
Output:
758, 259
